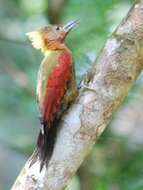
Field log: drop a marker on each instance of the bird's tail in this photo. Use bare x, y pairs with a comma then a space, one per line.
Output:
45, 145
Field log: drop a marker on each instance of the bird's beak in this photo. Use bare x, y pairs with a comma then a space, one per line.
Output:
70, 25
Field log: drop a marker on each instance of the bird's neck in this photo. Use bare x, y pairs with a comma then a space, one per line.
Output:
53, 45
63, 51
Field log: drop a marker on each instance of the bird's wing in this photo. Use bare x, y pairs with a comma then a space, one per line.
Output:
55, 88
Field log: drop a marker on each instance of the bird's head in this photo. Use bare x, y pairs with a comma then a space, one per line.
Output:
50, 37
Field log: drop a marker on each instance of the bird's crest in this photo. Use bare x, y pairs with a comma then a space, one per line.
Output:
36, 39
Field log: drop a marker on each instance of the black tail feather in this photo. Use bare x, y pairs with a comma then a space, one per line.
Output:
45, 145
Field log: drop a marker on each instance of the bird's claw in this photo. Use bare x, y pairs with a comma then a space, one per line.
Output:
85, 86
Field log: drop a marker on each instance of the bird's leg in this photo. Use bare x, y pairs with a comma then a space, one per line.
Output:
84, 84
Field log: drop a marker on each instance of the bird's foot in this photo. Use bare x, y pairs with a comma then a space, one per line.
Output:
84, 86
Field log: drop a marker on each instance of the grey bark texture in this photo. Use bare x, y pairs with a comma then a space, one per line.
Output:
108, 82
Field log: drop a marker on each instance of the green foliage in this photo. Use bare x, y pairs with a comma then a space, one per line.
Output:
74, 184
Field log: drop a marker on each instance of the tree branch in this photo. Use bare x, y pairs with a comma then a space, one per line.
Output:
54, 10
117, 67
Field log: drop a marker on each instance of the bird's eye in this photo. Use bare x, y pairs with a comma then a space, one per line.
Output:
57, 28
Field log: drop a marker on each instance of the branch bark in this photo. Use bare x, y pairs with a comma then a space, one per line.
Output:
117, 67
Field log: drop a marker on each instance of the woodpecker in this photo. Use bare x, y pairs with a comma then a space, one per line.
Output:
56, 84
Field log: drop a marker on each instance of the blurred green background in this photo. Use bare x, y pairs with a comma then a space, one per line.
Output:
116, 161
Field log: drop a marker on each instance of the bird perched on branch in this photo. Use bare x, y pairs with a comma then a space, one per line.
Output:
56, 85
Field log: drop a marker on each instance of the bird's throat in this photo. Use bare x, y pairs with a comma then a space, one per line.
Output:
47, 53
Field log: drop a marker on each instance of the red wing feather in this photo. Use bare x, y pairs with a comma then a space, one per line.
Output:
56, 85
